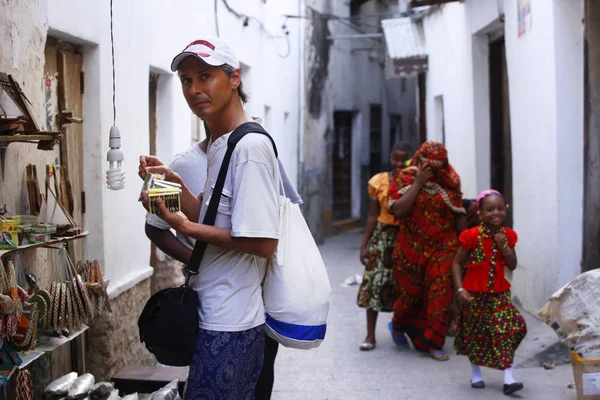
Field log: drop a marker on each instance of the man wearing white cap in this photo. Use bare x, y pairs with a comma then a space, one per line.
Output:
230, 347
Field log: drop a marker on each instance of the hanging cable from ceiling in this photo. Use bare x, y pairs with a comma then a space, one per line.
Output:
115, 175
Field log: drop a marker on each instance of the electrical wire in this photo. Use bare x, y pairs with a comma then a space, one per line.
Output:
248, 18
217, 17
112, 46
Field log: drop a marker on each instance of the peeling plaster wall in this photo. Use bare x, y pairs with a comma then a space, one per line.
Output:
23, 28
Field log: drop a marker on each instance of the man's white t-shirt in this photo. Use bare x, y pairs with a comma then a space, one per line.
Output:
229, 282
191, 166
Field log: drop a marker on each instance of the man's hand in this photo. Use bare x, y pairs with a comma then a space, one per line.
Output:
167, 172
176, 220
145, 162
424, 174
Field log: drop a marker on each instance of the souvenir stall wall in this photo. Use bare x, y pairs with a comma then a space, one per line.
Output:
51, 287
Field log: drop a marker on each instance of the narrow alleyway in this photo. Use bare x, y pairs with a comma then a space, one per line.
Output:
339, 371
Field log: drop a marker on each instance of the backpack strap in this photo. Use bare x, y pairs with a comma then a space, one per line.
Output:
211, 214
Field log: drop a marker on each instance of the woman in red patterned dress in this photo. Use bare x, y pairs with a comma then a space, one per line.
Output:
426, 197
490, 328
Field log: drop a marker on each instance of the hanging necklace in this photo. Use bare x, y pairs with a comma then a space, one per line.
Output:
479, 256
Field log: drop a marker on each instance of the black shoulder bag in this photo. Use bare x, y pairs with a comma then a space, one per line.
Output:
169, 322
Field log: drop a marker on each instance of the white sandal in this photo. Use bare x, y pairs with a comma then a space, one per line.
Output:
366, 346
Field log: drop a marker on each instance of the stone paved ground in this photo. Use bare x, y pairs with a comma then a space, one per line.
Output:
337, 370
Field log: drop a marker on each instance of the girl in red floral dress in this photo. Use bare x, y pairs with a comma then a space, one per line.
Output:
490, 328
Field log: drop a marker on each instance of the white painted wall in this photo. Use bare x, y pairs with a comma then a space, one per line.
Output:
147, 36
450, 75
545, 70
546, 95
569, 33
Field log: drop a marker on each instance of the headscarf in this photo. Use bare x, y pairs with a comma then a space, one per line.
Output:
446, 182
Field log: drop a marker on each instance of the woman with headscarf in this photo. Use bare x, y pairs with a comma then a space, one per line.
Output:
426, 197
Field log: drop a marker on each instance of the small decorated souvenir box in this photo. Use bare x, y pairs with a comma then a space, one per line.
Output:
8, 224
158, 188
35, 238
43, 228
29, 219
171, 197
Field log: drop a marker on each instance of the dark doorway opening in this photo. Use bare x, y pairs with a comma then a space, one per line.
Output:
500, 140
342, 165
422, 88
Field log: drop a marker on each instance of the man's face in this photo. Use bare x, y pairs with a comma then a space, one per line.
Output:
207, 89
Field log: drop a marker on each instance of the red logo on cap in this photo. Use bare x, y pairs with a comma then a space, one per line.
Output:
202, 42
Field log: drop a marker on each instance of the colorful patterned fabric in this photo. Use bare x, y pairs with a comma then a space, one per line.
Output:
425, 250
378, 288
226, 365
490, 329
485, 265
378, 190
436, 155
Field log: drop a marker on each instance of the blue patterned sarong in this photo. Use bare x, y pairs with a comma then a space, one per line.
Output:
226, 365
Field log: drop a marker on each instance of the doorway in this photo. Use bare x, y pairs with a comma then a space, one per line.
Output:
63, 103
422, 106
500, 139
591, 156
342, 165
152, 102
63, 92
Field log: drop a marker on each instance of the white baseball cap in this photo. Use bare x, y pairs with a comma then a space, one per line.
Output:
212, 51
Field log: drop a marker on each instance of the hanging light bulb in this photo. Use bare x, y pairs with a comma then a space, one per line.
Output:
115, 175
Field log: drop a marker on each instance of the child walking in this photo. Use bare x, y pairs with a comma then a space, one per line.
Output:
490, 328
377, 292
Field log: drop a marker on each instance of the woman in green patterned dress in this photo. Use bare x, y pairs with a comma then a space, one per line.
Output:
377, 291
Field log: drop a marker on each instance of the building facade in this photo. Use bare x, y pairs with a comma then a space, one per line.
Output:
352, 114
45, 43
507, 77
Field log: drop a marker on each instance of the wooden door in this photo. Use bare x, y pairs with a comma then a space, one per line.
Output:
591, 156
64, 106
422, 109
152, 97
63, 88
342, 165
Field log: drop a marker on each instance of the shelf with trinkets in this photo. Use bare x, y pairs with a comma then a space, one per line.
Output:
51, 242
39, 316
36, 320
